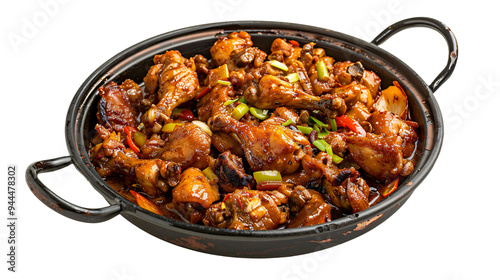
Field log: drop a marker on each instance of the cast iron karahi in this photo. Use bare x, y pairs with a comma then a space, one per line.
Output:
134, 62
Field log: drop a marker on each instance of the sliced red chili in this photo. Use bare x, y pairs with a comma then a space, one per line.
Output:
226, 197
390, 188
203, 92
239, 202
294, 43
129, 130
345, 121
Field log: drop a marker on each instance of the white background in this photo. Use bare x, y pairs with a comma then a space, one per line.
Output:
448, 229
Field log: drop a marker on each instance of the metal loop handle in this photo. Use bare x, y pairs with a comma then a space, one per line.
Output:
56, 203
433, 24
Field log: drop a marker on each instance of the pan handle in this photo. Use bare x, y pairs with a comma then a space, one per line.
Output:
433, 24
54, 202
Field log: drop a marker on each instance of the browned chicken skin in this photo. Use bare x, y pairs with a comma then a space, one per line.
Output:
312, 208
379, 156
267, 147
115, 108
188, 145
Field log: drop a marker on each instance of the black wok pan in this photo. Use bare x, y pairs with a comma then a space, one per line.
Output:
134, 63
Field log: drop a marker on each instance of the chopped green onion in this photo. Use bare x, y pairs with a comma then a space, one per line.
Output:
321, 69
225, 83
279, 65
336, 159
334, 124
292, 78
316, 121
287, 123
243, 100
328, 150
323, 142
325, 147
258, 113
319, 145
267, 175
305, 129
230, 102
240, 111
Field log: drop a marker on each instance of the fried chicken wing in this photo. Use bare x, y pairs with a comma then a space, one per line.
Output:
247, 209
154, 175
225, 49
310, 208
266, 147
379, 156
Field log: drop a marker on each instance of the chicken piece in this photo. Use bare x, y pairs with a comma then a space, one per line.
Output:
274, 93
310, 207
282, 46
193, 194
371, 81
152, 77
351, 195
187, 145
387, 124
229, 169
115, 108
177, 84
353, 93
379, 156
267, 146
213, 103
152, 146
246, 209
234, 43
322, 166
223, 142
326, 83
